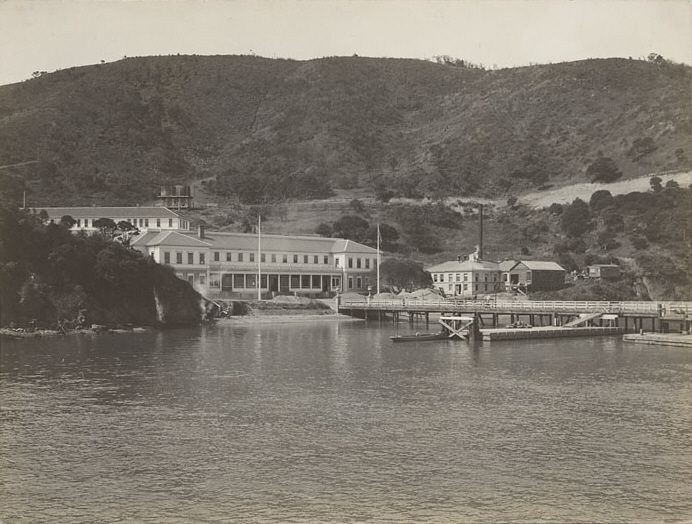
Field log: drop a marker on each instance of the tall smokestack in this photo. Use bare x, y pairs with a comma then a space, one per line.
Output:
480, 232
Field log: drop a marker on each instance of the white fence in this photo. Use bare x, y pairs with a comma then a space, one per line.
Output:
408, 304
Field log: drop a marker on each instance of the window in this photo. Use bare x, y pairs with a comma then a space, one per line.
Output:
274, 258
442, 277
315, 259
350, 283
466, 287
170, 222
202, 280
305, 259
295, 281
326, 259
434, 277
146, 222
285, 259
263, 258
166, 257
251, 281
86, 222
350, 262
466, 277
305, 281
228, 256
238, 281
263, 282
295, 259
178, 257
202, 258
476, 278
141, 223
214, 280
191, 278
486, 278
359, 283
216, 256
336, 261
367, 263
190, 258
240, 257
252, 257
336, 282
458, 277
449, 286
158, 222
79, 222
316, 282
358, 264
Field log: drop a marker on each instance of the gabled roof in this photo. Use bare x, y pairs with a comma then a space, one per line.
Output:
169, 238
604, 265
111, 212
540, 265
506, 265
248, 242
466, 265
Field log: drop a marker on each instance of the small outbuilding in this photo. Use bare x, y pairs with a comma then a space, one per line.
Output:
604, 271
536, 275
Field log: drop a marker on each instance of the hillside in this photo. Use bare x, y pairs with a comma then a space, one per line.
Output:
261, 129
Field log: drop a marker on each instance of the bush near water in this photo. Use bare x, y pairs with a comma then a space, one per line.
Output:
48, 275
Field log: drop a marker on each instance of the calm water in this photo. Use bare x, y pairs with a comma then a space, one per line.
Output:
333, 423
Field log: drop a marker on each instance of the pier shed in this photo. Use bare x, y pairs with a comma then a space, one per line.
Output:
537, 275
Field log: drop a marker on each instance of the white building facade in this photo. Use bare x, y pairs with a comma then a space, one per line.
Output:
467, 278
234, 264
140, 217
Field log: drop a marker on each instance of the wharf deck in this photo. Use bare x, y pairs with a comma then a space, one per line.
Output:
547, 332
660, 339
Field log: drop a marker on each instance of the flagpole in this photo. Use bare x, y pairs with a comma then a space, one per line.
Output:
259, 257
378, 259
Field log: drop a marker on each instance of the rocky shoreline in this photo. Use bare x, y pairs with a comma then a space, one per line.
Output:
93, 330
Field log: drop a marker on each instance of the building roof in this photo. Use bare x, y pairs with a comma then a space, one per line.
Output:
248, 242
604, 265
168, 237
540, 265
506, 265
111, 212
466, 265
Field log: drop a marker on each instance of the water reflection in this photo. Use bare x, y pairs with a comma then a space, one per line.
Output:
333, 422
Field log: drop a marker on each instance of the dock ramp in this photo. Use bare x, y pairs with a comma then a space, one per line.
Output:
583, 319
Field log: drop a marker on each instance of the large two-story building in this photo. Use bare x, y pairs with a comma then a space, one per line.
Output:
234, 264
468, 277
140, 217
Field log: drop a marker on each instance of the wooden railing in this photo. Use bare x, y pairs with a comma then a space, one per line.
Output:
526, 306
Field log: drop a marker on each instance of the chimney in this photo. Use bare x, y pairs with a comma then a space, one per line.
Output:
200, 231
480, 235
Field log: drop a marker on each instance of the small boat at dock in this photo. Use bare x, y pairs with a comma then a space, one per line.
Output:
420, 337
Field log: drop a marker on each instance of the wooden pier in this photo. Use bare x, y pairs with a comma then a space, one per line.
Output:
560, 316
548, 332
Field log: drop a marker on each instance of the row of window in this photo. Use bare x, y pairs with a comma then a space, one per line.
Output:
474, 287
273, 257
440, 277
201, 258
137, 222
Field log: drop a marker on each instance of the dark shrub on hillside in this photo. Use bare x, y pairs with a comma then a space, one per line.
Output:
555, 209
324, 230
404, 274
351, 227
600, 199
576, 218
641, 147
603, 169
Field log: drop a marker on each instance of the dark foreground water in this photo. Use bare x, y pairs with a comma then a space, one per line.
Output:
333, 423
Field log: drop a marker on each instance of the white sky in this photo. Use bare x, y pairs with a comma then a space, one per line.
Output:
45, 35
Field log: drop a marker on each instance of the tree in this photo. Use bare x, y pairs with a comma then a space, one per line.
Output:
555, 209
67, 221
357, 206
388, 236
672, 184
603, 169
655, 183
106, 225
324, 230
124, 225
601, 199
351, 227
576, 218
404, 273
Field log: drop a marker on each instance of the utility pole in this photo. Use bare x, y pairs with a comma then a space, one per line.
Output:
378, 259
259, 257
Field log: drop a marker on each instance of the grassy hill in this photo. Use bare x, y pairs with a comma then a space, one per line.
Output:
260, 129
